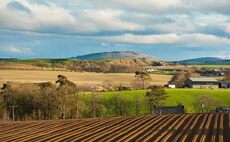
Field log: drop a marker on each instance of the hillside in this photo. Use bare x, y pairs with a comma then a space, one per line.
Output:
115, 55
108, 65
205, 61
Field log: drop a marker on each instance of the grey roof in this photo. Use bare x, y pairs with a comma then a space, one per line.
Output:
203, 79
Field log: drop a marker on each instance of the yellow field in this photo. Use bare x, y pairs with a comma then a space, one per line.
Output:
33, 76
17, 66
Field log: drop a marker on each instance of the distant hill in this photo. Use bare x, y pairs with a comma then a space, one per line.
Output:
115, 55
205, 60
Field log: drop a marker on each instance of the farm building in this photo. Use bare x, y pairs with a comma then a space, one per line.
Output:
170, 86
217, 72
150, 69
224, 84
223, 109
202, 83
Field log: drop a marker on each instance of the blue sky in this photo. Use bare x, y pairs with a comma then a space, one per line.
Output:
167, 29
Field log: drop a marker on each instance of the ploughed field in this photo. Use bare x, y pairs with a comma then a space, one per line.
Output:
181, 127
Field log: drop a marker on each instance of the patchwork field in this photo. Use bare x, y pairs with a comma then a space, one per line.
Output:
170, 128
77, 77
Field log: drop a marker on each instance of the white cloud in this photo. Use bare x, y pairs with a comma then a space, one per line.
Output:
187, 40
109, 19
157, 21
40, 16
204, 40
143, 39
227, 27
52, 18
143, 5
224, 54
111, 15
105, 44
218, 6
17, 50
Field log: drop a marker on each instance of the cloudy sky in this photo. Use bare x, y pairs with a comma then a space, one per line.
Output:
167, 29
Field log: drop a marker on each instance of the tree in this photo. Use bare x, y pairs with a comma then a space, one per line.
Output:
95, 102
108, 85
46, 101
206, 103
1, 106
227, 76
65, 89
156, 96
143, 76
119, 105
19, 100
179, 78
138, 104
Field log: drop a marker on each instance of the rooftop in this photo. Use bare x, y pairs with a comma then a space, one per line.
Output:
203, 79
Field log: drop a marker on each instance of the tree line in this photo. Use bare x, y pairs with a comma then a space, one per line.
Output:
66, 100
107, 66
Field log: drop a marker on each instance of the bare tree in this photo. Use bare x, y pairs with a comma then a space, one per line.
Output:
95, 101
65, 89
227, 76
108, 85
143, 76
179, 78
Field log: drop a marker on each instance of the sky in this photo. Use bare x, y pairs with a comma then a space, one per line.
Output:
166, 29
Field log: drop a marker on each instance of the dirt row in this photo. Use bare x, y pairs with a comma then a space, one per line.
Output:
165, 128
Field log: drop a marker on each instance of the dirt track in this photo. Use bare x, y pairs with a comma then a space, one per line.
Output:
186, 127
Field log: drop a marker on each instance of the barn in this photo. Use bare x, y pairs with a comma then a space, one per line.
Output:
202, 83
224, 84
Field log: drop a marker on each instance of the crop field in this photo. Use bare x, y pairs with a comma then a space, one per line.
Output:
33, 76
18, 66
170, 128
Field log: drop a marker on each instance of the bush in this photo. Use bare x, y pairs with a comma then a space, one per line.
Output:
206, 103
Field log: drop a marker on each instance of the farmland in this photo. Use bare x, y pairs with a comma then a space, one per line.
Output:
188, 97
33, 76
181, 127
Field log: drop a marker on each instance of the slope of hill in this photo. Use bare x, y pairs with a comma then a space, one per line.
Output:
206, 60
115, 55
112, 66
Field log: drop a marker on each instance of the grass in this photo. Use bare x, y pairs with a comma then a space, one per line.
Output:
211, 66
188, 97
164, 72
179, 96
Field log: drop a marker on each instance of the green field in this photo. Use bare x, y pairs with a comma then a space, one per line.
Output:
164, 72
175, 96
210, 66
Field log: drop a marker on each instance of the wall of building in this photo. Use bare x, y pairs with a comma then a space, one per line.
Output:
197, 86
